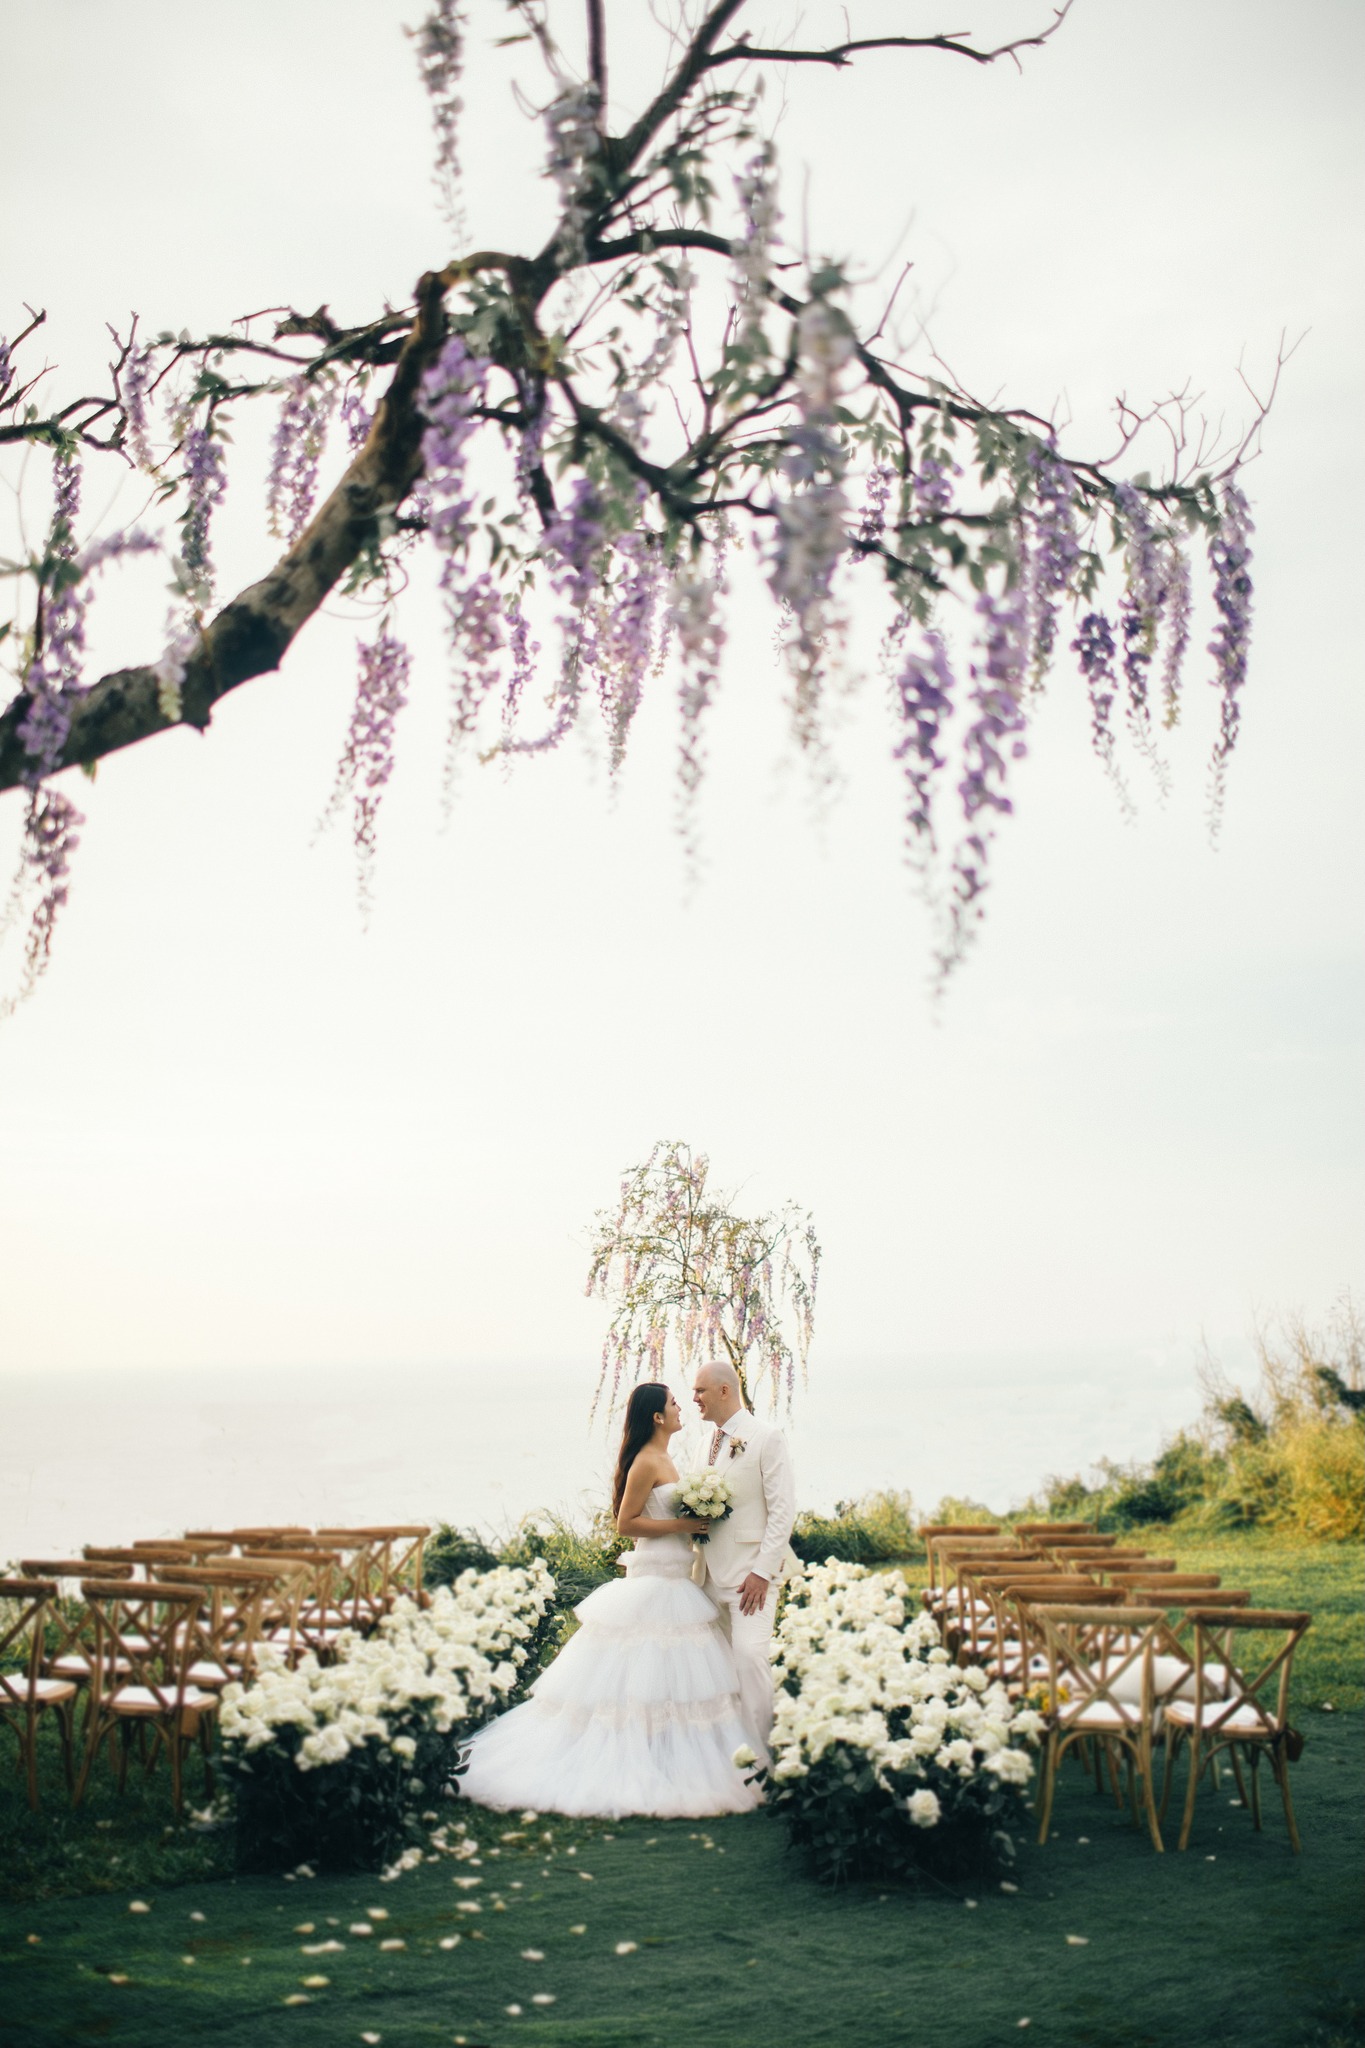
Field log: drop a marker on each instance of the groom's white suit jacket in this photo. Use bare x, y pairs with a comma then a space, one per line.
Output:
755, 1459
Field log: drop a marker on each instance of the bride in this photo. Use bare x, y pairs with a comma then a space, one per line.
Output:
640, 1711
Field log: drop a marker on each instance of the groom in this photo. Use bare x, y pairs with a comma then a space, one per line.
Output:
746, 1556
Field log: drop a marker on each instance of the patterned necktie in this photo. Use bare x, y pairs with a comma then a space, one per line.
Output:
716, 1441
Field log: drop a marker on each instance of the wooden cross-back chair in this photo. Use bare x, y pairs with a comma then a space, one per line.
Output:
384, 1562
316, 1618
1240, 1703
930, 1532
69, 1625
1090, 1651
26, 1693
190, 1548
1003, 1647
233, 1623
949, 1551
946, 1602
1173, 1671
129, 1559
146, 1690
1024, 1602
970, 1618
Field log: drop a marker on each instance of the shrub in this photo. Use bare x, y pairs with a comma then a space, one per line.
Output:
579, 1558
888, 1758
330, 1762
877, 1528
452, 1551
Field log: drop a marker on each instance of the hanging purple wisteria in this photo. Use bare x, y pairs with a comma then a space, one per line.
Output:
607, 445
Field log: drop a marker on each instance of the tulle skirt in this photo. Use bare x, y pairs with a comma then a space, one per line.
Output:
639, 1713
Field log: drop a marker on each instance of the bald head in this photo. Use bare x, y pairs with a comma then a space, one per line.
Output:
716, 1391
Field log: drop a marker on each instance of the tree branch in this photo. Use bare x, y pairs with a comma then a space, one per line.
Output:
838, 55
251, 634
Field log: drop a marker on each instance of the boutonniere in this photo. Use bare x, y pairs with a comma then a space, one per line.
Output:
737, 1447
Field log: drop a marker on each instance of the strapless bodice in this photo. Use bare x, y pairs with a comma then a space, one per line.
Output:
668, 1557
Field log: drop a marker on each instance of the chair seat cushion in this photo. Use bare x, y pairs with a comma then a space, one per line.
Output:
140, 1699
210, 1673
16, 1689
1102, 1716
1217, 1719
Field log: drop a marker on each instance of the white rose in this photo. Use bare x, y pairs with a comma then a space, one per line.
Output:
923, 1809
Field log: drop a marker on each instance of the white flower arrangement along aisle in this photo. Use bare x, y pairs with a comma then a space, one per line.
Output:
330, 1763
888, 1758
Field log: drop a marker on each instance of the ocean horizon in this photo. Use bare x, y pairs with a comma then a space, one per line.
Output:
107, 1456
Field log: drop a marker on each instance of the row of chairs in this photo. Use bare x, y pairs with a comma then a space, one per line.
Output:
147, 1635
1126, 1654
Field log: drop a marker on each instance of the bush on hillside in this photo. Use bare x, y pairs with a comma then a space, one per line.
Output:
875, 1529
1290, 1456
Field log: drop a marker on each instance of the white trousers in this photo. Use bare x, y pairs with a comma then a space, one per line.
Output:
750, 1636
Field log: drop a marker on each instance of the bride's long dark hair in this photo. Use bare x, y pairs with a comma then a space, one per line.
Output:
643, 1409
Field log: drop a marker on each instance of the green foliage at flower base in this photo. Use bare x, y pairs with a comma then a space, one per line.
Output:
850, 1822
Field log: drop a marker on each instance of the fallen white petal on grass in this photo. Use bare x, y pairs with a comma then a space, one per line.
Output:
543, 1998
512, 2011
196, 1916
305, 1927
378, 1912
578, 1930
322, 1948
188, 1960
138, 1906
626, 1948
116, 1977
33, 1940
468, 1906
394, 1941
533, 1955
451, 1940
466, 1884
297, 1998
971, 1903
360, 1927
372, 2040
1078, 1941
314, 1983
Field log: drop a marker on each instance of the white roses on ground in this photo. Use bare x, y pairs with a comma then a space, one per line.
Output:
335, 1759
878, 1733
446, 1662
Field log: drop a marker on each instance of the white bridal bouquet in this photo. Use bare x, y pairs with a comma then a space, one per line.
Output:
707, 1493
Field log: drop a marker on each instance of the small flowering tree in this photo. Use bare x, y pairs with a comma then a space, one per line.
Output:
582, 436
682, 1268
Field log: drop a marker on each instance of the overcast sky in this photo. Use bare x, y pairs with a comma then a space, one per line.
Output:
236, 1130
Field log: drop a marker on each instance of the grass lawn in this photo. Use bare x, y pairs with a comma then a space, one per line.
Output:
1235, 1942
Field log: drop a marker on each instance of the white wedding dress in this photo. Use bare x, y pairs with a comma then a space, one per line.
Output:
639, 1712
